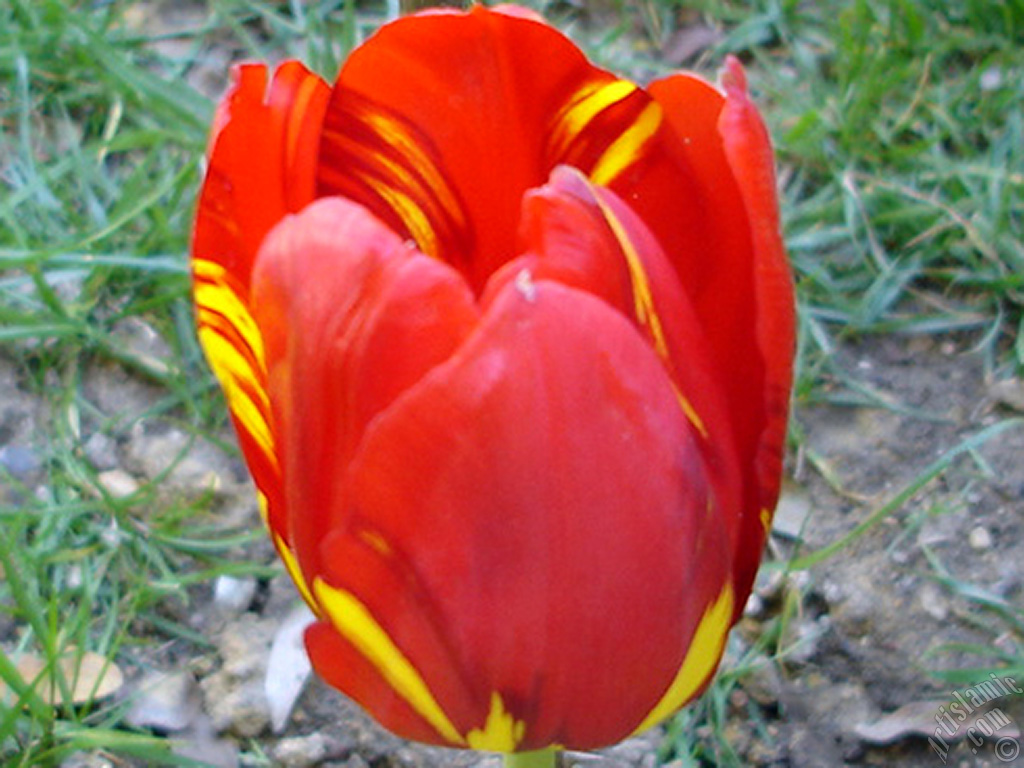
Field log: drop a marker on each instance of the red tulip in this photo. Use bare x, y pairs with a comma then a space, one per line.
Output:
507, 342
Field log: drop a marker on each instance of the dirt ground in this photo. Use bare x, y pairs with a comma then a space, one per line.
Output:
870, 624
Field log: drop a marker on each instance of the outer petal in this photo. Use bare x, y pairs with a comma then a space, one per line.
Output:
262, 162
749, 152
748, 149
261, 165
541, 500
731, 261
350, 317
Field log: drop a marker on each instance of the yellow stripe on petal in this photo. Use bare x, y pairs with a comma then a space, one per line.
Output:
291, 564
584, 105
626, 149
700, 660
690, 412
232, 371
398, 137
501, 732
412, 216
213, 291
643, 300
263, 504
386, 155
766, 521
357, 625
239, 361
376, 542
643, 306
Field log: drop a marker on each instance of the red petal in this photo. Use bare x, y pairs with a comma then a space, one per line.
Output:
587, 237
440, 123
749, 152
350, 317
542, 495
262, 162
389, 685
722, 235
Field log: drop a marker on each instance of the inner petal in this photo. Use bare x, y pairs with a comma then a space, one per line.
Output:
351, 317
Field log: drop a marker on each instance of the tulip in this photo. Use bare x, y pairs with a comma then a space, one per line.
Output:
507, 342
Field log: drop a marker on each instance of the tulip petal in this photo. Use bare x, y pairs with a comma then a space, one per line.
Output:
585, 236
262, 162
544, 509
350, 317
749, 152
743, 296
441, 121
261, 165
748, 149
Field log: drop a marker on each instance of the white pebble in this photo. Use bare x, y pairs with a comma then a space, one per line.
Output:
979, 538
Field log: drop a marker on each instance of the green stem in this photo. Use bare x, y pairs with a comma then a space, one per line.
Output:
542, 758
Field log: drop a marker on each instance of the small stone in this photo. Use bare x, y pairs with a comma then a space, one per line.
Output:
90, 677
754, 607
101, 451
244, 645
803, 638
111, 535
166, 702
1008, 392
934, 602
179, 460
240, 708
791, 514
769, 584
991, 79
763, 683
855, 613
234, 594
19, 460
633, 751
75, 577
118, 483
979, 538
301, 751
140, 340
234, 695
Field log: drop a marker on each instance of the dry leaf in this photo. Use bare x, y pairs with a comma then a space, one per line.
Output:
288, 667
919, 718
90, 676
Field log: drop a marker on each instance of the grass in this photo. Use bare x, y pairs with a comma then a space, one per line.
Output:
900, 136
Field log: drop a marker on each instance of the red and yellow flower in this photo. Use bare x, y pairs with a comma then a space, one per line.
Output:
507, 342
